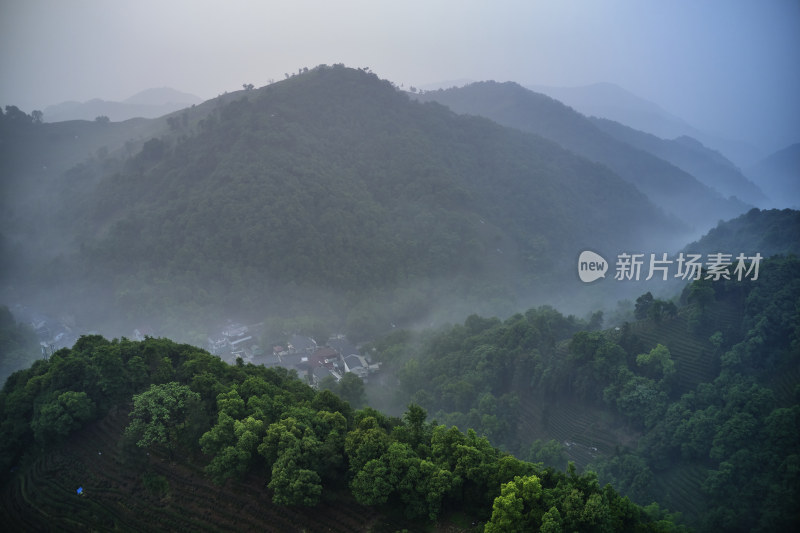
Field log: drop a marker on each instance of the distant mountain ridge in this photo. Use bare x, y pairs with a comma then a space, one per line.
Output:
150, 103
689, 154
767, 232
336, 180
668, 186
610, 101
779, 176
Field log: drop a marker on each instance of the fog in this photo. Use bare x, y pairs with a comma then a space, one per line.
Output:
725, 67
337, 204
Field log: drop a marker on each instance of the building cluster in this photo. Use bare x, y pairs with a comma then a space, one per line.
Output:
52, 334
301, 353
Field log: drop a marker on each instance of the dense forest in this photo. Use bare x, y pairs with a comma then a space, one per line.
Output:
668, 181
768, 232
332, 201
186, 406
329, 193
708, 166
695, 405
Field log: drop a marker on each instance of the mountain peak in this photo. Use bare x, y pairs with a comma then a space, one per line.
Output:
162, 96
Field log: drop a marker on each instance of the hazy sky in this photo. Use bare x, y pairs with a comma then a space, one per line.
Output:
732, 66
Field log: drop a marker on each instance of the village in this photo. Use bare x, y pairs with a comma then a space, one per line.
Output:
312, 361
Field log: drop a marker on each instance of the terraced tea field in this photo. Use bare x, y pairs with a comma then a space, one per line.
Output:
44, 497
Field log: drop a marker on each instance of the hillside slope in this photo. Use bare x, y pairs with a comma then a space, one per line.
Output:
330, 187
779, 176
709, 166
680, 406
669, 187
767, 232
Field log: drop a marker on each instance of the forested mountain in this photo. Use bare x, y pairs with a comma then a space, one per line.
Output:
609, 101
708, 166
767, 232
779, 176
154, 435
150, 103
612, 102
669, 187
332, 193
695, 405
47, 167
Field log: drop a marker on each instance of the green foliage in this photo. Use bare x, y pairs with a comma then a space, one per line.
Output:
331, 197
727, 429
464, 373
307, 442
158, 412
61, 416
293, 485
652, 308
518, 507
549, 453
350, 388
657, 363
767, 231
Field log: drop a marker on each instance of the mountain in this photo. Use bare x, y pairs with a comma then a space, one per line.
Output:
673, 405
610, 101
709, 166
778, 175
334, 193
767, 232
162, 96
157, 436
669, 187
150, 103
46, 166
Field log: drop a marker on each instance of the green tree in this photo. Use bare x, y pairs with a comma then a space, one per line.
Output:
518, 507
657, 363
64, 414
549, 453
551, 521
643, 304
293, 485
351, 389
158, 412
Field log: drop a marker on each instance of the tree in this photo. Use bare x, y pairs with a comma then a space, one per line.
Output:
158, 412
61, 416
551, 521
643, 304
702, 293
351, 389
518, 506
549, 453
293, 485
37, 116
657, 363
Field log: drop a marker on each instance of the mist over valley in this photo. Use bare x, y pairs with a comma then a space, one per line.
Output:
561, 293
